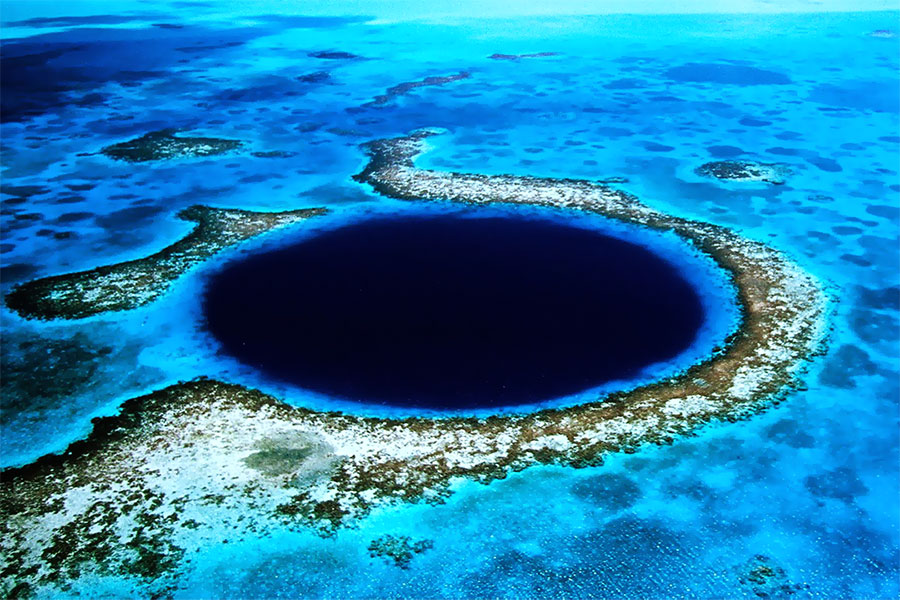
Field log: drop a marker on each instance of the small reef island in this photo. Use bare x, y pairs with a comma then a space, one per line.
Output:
127, 285
165, 144
206, 456
745, 170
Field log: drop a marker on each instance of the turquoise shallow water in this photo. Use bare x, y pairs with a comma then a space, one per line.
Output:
812, 484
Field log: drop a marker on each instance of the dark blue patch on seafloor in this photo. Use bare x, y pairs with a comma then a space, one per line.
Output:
44, 73
74, 21
452, 312
725, 151
874, 96
725, 73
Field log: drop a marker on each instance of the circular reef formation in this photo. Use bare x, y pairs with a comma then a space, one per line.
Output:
198, 458
451, 312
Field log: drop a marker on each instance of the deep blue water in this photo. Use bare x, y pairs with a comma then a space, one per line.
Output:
449, 312
812, 484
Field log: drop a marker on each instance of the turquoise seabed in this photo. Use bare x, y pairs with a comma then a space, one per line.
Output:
812, 484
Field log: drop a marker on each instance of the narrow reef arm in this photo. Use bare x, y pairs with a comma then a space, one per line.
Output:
127, 285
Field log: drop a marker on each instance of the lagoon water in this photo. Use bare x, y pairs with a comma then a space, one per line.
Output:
810, 485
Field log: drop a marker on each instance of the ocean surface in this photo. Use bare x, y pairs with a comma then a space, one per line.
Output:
811, 486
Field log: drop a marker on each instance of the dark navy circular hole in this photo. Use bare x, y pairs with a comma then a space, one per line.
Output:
449, 312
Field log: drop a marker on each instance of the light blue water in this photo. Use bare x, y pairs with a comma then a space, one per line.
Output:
812, 484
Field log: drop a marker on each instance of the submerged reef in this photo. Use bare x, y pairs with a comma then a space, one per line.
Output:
766, 579
189, 462
164, 145
130, 284
745, 170
398, 549
29, 359
315, 77
274, 154
407, 86
42, 373
520, 56
333, 55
